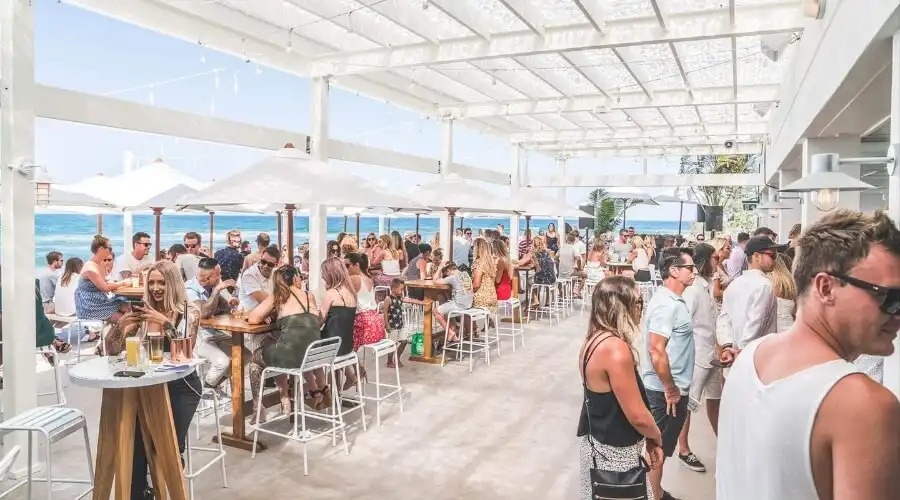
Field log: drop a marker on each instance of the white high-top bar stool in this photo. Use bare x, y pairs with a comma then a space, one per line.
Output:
383, 391
510, 308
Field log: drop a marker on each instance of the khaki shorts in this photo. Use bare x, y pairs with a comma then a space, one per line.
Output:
706, 384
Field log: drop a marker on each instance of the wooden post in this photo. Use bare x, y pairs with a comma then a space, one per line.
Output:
527, 222
157, 213
99, 223
462, 223
345, 225
357, 231
212, 230
417, 225
290, 233
278, 214
451, 212
389, 226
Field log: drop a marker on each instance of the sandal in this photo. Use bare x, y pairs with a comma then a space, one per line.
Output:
325, 404
60, 346
285, 406
313, 399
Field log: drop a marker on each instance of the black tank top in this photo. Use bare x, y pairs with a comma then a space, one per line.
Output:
601, 414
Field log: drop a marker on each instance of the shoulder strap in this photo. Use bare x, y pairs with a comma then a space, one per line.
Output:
587, 357
305, 308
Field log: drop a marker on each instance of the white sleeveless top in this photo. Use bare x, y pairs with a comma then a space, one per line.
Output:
765, 430
365, 299
641, 261
390, 267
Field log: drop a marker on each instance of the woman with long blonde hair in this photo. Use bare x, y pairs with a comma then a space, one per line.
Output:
615, 424
785, 293
484, 273
388, 259
640, 259
504, 270
166, 311
596, 262
721, 279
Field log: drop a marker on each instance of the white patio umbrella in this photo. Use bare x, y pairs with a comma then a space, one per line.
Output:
292, 179
633, 195
680, 196
453, 193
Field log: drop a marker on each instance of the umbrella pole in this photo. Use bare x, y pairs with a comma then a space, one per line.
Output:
452, 214
680, 214
212, 227
157, 213
290, 233
389, 226
357, 230
417, 224
624, 219
278, 214
345, 223
99, 223
527, 222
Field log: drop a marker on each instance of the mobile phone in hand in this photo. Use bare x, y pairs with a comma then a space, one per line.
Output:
127, 373
719, 364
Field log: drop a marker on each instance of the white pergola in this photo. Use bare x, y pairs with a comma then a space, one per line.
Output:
567, 78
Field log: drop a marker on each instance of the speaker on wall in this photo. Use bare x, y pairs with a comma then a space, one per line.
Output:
701, 215
713, 220
585, 223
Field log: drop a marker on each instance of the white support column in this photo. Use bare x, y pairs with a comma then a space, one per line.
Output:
514, 186
561, 221
380, 225
127, 216
446, 168
16, 148
318, 214
892, 363
846, 147
787, 218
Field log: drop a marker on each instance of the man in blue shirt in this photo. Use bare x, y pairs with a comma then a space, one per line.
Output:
667, 363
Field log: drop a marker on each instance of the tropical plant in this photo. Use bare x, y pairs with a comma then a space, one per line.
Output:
606, 212
729, 197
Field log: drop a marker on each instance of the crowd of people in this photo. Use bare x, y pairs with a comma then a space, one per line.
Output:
783, 344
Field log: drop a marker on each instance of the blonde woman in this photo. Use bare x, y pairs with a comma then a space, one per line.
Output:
615, 425
484, 274
504, 270
596, 262
388, 258
720, 278
436, 241
640, 260
785, 293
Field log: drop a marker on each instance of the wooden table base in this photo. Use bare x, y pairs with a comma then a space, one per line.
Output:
150, 407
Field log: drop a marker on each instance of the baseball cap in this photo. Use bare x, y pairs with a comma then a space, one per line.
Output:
760, 243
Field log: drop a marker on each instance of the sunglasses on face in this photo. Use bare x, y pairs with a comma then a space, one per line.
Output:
265, 263
888, 298
689, 267
188, 245
144, 243
107, 260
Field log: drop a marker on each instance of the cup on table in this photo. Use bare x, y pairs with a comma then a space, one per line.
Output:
182, 349
135, 282
132, 351
156, 348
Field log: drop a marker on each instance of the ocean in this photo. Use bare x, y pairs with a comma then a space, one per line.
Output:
71, 234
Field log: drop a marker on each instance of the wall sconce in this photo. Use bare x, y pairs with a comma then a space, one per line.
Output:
773, 205
824, 182
39, 177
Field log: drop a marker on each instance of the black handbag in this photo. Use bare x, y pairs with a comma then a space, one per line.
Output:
611, 485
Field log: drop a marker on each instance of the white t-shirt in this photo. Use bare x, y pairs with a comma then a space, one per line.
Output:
128, 263
702, 304
567, 255
187, 264
64, 298
580, 247
252, 281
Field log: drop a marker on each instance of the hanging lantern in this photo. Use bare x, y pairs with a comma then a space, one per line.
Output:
42, 193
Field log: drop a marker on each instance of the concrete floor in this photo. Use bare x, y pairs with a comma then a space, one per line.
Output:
504, 432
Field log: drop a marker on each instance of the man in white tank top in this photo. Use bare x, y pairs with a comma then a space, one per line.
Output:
798, 420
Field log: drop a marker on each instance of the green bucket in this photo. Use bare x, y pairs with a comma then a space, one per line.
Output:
417, 344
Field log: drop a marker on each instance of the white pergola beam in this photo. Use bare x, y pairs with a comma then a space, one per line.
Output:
78, 107
716, 129
661, 17
751, 21
751, 94
672, 141
593, 11
462, 13
636, 152
527, 14
665, 180
398, 12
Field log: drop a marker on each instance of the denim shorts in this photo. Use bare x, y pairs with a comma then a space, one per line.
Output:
669, 426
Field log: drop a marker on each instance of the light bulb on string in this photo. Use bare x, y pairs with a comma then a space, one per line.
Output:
825, 199
773, 213
235, 85
258, 69
290, 41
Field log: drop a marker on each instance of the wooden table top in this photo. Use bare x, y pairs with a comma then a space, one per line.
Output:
427, 284
228, 323
619, 264
130, 291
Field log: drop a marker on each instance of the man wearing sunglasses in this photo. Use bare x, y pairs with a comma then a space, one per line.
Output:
748, 304
798, 419
667, 364
188, 263
131, 263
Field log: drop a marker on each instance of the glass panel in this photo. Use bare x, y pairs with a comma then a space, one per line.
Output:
604, 68
658, 65
518, 77
556, 121
618, 9
706, 62
754, 113
443, 84
558, 12
526, 122
480, 80
585, 120
442, 25
754, 68
555, 70
682, 6
681, 115
718, 113
498, 17
615, 119
352, 15
647, 117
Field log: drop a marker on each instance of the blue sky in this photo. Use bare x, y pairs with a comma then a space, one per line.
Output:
84, 51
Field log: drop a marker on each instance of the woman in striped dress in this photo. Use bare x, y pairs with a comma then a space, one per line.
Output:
92, 299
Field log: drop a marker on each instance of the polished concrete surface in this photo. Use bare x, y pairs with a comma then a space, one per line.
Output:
504, 432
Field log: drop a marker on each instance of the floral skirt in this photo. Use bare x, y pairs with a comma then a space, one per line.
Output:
609, 458
368, 328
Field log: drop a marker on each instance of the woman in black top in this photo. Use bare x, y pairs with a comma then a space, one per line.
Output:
615, 424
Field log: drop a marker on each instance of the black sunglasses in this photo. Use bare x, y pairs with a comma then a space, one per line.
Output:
888, 298
265, 263
689, 267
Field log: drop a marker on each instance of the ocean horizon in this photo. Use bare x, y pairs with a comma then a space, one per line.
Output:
71, 234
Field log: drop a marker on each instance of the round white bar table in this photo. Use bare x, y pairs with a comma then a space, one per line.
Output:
127, 401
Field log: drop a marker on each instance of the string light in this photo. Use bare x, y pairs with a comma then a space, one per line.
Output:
216, 73
235, 78
290, 41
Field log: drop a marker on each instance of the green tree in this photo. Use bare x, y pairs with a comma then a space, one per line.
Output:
729, 197
606, 214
